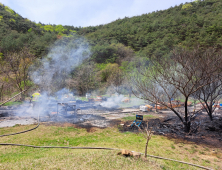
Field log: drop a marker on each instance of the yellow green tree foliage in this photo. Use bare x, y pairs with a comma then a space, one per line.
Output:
12, 20
196, 1
9, 10
108, 71
49, 28
186, 6
39, 25
73, 31
59, 28
1, 17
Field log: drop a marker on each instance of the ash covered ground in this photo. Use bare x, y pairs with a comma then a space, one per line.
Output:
79, 112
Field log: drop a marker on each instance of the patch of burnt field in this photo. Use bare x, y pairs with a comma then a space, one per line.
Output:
202, 131
87, 115
90, 116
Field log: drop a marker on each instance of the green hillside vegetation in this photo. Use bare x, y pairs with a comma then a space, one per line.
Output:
114, 45
17, 32
158, 32
198, 22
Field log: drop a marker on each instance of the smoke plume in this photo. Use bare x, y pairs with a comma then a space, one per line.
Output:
66, 54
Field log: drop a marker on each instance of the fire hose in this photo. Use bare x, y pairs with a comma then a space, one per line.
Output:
22, 131
65, 147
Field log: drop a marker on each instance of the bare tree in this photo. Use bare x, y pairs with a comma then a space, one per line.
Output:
15, 67
147, 134
183, 73
209, 95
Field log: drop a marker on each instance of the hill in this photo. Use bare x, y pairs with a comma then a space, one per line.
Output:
17, 32
198, 22
113, 45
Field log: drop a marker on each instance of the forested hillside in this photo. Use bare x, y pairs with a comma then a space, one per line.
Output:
112, 46
156, 33
16, 32
198, 22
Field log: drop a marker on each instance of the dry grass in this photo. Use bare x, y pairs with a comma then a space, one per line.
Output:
30, 158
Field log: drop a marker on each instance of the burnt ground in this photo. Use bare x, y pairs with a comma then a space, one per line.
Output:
165, 123
203, 131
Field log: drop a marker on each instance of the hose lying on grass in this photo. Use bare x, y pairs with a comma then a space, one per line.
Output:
65, 147
22, 131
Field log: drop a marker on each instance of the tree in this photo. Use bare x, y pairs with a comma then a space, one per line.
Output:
115, 77
15, 66
147, 134
60, 29
186, 6
84, 79
182, 74
209, 95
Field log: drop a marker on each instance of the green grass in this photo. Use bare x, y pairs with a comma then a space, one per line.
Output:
82, 98
12, 103
33, 158
129, 118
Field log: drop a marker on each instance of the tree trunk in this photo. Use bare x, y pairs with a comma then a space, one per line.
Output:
22, 96
1, 93
210, 115
147, 140
186, 122
187, 126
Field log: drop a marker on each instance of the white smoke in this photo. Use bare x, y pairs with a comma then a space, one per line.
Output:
63, 57
113, 102
51, 72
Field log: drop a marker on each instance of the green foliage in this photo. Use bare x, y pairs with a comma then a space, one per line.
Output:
28, 83
12, 20
60, 29
186, 6
73, 31
30, 30
12, 103
49, 28
40, 25
107, 70
155, 33
101, 66
104, 54
9, 10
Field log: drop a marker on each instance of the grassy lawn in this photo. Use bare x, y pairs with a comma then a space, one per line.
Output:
33, 158
12, 103
145, 117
